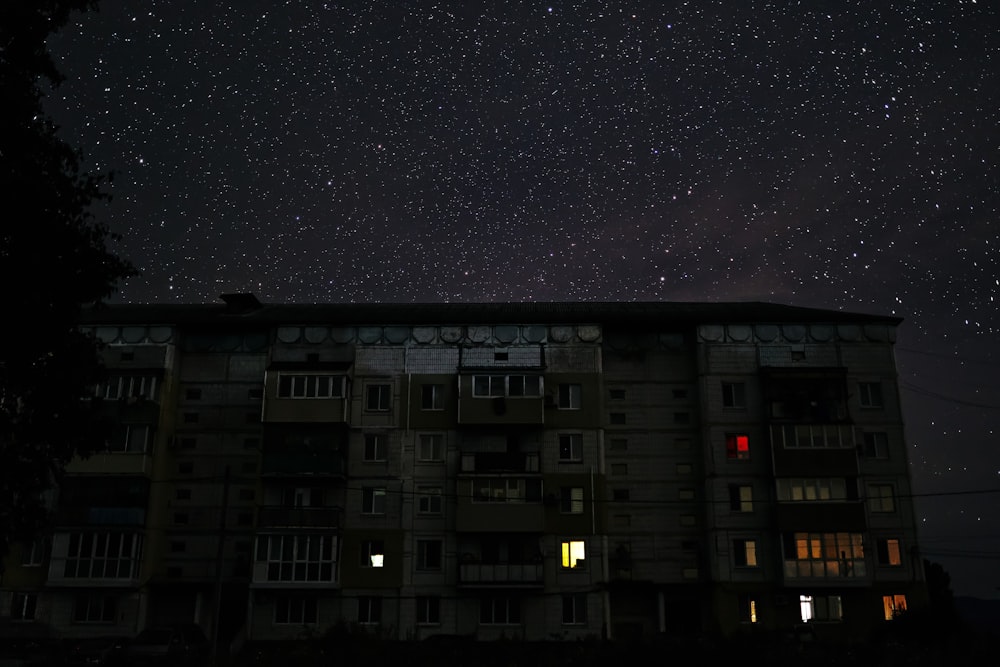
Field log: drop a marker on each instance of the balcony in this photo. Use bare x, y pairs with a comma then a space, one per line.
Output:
302, 464
499, 462
274, 517
501, 574
304, 450
100, 516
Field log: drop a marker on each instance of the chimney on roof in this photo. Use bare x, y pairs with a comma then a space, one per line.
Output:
239, 304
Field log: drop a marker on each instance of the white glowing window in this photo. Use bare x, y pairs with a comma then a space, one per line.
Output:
573, 554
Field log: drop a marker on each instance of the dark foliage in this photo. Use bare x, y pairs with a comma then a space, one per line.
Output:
54, 260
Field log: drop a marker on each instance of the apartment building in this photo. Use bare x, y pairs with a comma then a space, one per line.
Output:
537, 471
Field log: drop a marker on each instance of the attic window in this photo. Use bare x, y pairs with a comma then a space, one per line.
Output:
501, 355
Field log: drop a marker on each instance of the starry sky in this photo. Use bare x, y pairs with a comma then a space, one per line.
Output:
838, 155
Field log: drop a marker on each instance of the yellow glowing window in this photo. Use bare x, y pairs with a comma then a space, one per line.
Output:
573, 554
893, 605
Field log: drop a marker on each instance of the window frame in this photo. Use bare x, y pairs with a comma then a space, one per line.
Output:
370, 503
573, 554
737, 447
297, 558
307, 606
570, 396
745, 553
570, 447
428, 610
738, 500
375, 448
371, 551
378, 397
437, 446
574, 609
434, 495
513, 385
97, 609
734, 395
509, 606
882, 498
369, 610
23, 606
888, 549
430, 555
870, 395
435, 393
875, 445
569, 503
307, 386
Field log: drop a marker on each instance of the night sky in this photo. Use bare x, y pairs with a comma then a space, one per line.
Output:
838, 155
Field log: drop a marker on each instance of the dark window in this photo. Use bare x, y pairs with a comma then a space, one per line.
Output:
378, 397
876, 445
373, 500
428, 554
428, 610
574, 608
734, 395
369, 610
870, 394
617, 417
374, 447
570, 396
431, 397
571, 447
192, 394
571, 500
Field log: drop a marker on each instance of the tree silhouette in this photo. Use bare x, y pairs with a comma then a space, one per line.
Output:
54, 260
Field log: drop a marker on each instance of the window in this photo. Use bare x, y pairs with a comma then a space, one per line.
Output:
128, 386
373, 553
814, 489
682, 417
813, 436
820, 608
747, 609
378, 397
620, 495
745, 553
192, 394
33, 554
617, 417
870, 394
94, 609
571, 447
373, 500
893, 606
430, 447
737, 446
429, 499
499, 611
369, 610
573, 555
889, 552
297, 385
299, 558
506, 490
880, 496
574, 609
295, 610
824, 555
571, 500
374, 447
679, 393
185, 467
428, 610
429, 554
685, 494
178, 547
247, 494
619, 444
617, 394
740, 498
619, 469
22, 606
486, 386
432, 397
876, 445
569, 396
129, 439
191, 417
734, 395
113, 555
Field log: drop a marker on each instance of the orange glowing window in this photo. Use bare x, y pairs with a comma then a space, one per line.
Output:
737, 446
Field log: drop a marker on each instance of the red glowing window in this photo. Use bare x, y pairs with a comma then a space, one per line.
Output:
737, 446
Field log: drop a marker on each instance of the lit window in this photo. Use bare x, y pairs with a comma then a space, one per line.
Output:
372, 553
813, 489
893, 606
570, 396
824, 555
745, 553
378, 397
737, 446
747, 609
573, 555
571, 447
889, 552
870, 394
820, 608
734, 395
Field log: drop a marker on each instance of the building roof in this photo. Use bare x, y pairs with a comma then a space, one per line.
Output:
247, 310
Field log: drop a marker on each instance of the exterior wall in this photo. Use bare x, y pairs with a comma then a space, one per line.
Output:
624, 458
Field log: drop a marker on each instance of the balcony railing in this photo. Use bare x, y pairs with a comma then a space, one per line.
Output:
100, 516
495, 462
501, 574
298, 517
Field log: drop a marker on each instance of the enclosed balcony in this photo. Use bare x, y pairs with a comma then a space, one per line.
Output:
278, 517
490, 575
513, 399
500, 462
303, 450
